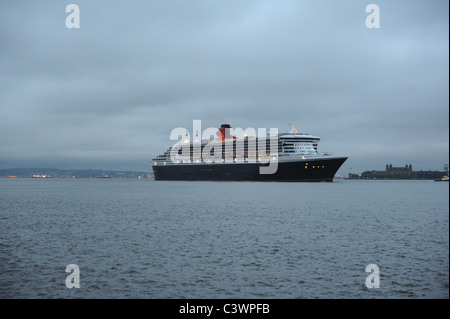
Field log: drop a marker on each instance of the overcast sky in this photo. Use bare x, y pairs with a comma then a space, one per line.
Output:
107, 95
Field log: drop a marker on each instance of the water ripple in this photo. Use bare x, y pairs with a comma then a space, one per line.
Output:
143, 239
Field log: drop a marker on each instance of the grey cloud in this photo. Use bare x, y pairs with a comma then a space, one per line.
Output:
109, 93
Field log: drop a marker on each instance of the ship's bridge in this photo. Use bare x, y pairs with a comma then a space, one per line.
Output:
298, 144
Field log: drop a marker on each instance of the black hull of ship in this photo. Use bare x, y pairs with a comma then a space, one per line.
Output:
317, 170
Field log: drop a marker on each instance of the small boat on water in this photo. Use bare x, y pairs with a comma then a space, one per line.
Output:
442, 179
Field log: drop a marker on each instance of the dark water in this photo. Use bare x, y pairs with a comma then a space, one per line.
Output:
146, 239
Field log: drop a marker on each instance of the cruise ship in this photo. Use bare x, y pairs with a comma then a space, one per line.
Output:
286, 157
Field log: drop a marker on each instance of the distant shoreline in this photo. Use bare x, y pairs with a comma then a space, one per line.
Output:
43, 173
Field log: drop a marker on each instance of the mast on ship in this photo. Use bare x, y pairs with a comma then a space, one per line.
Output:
292, 129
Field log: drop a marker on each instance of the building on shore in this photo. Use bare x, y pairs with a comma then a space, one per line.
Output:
401, 172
